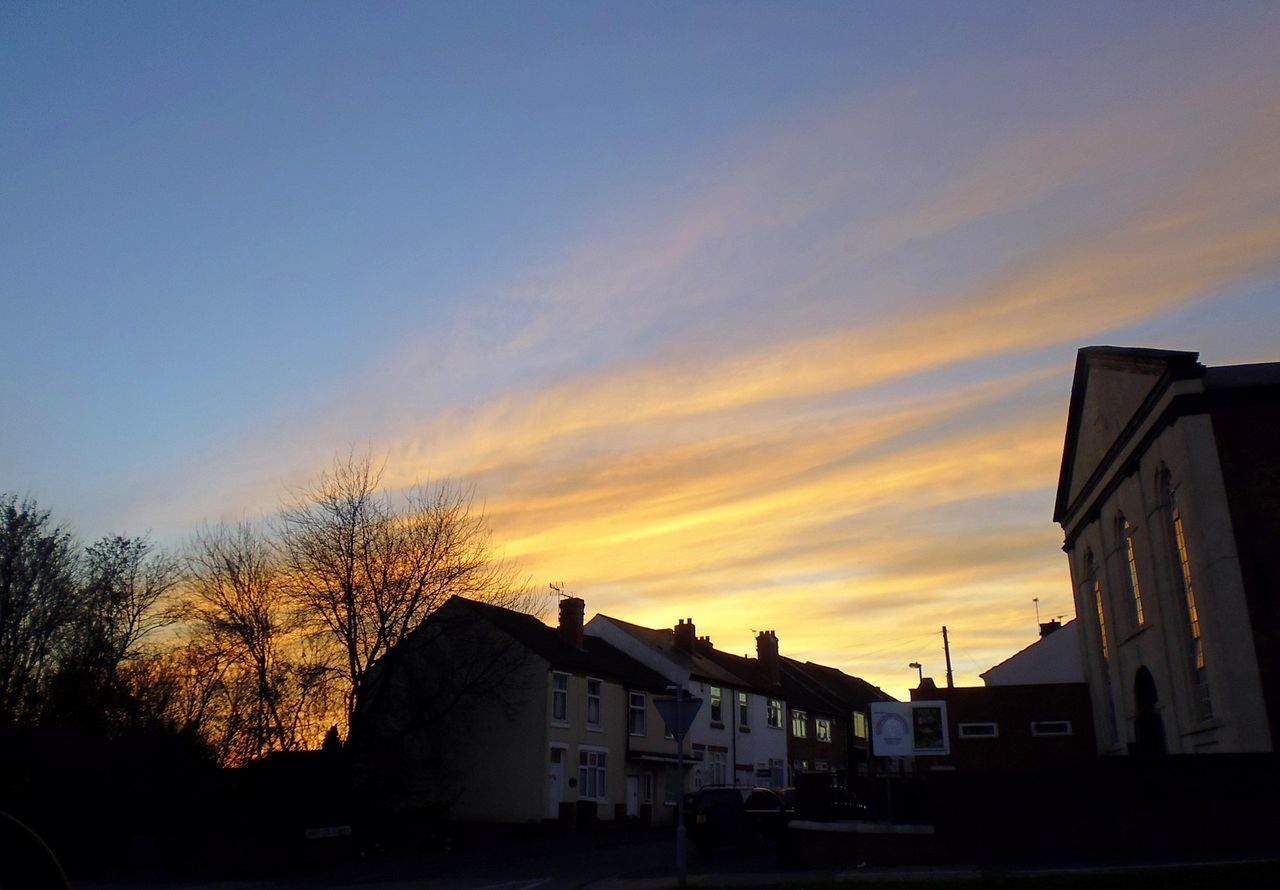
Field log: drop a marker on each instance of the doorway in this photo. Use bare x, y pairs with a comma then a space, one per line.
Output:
555, 790
1148, 728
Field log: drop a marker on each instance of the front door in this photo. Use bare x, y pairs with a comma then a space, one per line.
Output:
555, 789
633, 797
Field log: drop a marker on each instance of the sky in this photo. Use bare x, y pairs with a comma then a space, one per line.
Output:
763, 314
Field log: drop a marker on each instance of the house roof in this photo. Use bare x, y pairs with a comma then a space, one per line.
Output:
698, 664
1053, 658
753, 674
1132, 380
596, 656
835, 685
1115, 395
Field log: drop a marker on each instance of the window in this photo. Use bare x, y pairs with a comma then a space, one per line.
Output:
742, 709
560, 698
1203, 704
777, 773
591, 775
821, 766
1125, 530
636, 714
800, 725
717, 715
775, 713
1094, 586
1051, 727
979, 730
646, 788
822, 729
718, 762
859, 725
593, 702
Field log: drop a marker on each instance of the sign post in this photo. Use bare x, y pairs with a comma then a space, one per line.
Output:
678, 712
908, 729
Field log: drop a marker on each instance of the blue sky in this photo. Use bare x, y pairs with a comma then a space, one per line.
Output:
739, 311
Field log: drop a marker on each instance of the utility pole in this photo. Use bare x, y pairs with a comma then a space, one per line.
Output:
946, 648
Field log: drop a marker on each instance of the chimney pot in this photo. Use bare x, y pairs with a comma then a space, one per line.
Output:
685, 635
767, 655
571, 612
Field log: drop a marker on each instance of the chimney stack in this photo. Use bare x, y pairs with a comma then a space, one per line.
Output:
1048, 627
685, 637
767, 655
571, 611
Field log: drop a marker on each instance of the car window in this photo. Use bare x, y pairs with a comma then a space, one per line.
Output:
763, 800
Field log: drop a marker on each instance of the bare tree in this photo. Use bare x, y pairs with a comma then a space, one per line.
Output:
369, 569
272, 679
122, 601
37, 603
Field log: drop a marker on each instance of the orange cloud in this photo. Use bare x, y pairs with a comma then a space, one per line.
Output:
768, 416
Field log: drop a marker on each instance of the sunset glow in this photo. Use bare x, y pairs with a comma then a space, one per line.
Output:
787, 352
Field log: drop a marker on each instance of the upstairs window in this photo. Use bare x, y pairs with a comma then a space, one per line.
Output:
1200, 690
593, 701
743, 713
636, 714
800, 725
859, 725
822, 729
717, 714
1124, 528
560, 698
1094, 583
775, 713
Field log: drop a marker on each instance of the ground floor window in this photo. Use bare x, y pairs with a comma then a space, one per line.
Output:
591, 775
777, 773
1051, 727
717, 773
983, 730
646, 788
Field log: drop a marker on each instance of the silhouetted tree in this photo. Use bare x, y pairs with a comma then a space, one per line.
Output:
38, 597
120, 603
368, 569
272, 679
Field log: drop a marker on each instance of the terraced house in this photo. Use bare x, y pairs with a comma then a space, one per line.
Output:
487, 714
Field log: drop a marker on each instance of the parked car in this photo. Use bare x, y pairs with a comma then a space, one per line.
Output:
734, 814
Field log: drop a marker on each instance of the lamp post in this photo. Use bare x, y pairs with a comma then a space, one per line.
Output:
919, 668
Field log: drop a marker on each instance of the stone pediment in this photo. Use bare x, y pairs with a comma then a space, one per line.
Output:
1112, 385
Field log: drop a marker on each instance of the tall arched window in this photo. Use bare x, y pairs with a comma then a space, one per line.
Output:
1124, 534
1094, 582
1091, 585
1182, 574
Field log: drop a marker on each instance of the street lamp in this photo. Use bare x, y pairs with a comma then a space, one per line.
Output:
919, 668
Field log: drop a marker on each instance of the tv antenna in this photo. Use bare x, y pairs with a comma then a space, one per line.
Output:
558, 587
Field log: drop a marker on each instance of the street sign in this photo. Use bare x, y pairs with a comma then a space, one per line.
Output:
677, 715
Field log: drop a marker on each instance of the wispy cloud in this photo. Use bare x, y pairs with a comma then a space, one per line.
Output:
822, 389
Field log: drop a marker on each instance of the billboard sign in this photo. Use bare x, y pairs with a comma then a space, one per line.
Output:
909, 729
